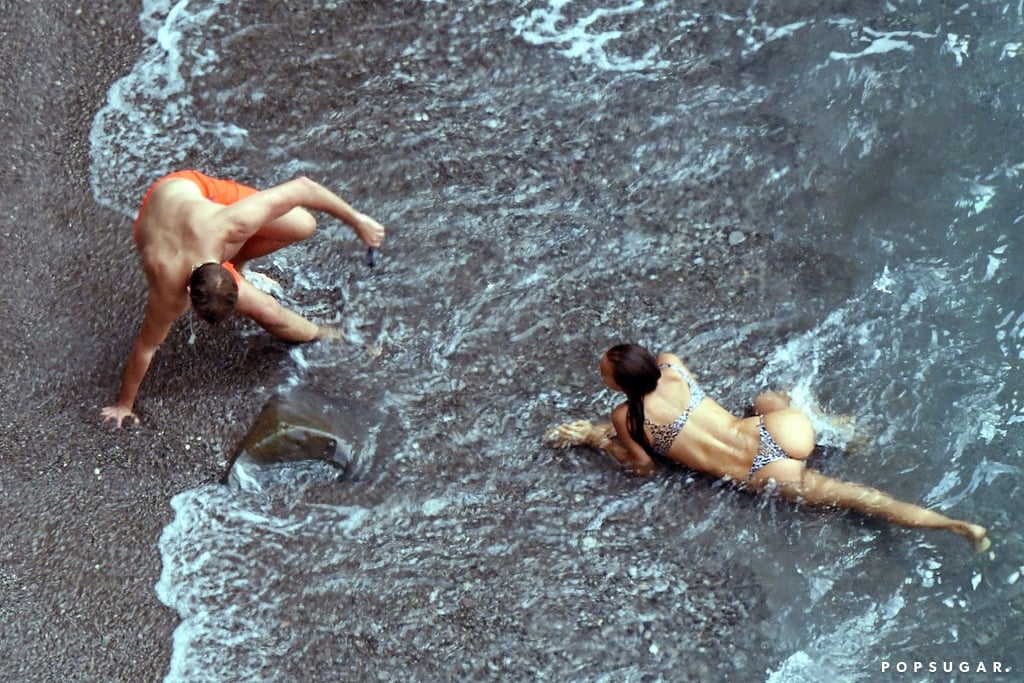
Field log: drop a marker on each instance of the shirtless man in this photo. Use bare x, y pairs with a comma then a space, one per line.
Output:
194, 231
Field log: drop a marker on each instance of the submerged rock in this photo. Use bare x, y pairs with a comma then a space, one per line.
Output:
301, 425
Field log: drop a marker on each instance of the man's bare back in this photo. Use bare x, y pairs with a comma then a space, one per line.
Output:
188, 220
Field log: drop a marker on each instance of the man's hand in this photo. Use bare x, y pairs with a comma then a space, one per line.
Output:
118, 415
369, 231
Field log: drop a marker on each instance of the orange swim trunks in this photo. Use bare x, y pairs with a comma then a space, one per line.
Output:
230, 267
218, 191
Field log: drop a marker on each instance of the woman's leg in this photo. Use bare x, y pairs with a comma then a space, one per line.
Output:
796, 482
770, 401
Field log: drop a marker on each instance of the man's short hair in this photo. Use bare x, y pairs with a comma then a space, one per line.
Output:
214, 292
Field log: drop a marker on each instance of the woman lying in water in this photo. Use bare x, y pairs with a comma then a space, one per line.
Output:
667, 414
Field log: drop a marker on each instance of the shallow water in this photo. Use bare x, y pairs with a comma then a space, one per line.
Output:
821, 196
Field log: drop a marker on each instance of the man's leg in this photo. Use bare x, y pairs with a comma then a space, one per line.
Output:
295, 226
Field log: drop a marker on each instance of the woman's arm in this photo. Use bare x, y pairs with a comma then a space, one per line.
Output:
629, 453
601, 437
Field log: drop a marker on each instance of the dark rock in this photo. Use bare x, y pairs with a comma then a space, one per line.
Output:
302, 425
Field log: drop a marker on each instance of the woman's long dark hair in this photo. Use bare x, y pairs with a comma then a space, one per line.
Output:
635, 370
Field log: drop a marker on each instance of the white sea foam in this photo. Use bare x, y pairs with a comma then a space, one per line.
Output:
958, 46
838, 653
860, 332
206, 542
881, 42
949, 492
757, 36
148, 122
577, 39
979, 200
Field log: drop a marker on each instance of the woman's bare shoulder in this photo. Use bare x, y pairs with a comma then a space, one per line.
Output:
672, 359
619, 413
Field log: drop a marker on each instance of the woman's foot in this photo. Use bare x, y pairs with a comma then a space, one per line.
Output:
979, 538
976, 534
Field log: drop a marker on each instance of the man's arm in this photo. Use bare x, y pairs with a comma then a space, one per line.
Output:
247, 216
280, 321
155, 326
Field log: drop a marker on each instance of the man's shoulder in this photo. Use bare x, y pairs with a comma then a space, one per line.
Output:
165, 271
168, 297
171, 205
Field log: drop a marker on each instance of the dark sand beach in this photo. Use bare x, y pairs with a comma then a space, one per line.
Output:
83, 506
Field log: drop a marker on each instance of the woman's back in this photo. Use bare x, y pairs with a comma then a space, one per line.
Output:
686, 426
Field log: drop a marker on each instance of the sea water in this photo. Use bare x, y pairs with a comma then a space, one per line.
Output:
559, 175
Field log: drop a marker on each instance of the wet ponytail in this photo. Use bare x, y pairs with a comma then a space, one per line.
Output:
635, 370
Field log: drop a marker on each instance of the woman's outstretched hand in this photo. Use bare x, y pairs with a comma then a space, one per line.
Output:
569, 434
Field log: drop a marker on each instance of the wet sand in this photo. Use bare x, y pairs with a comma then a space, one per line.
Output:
83, 506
